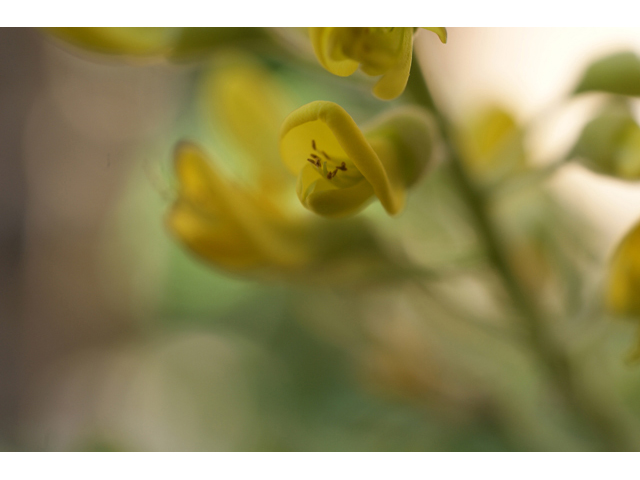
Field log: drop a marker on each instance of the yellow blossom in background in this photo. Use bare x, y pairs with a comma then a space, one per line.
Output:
225, 223
378, 51
142, 42
492, 145
118, 40
340, 168
246, 102
623, 288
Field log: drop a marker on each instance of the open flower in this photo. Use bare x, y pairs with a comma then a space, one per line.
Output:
340, 168
384, 51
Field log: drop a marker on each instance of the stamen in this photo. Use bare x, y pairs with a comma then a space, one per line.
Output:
316, 161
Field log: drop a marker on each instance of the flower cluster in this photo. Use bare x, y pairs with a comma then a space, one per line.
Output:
247, 224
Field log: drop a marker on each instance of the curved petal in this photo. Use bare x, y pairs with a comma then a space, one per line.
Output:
320, 196
223, 223
440, 31
245, 100
393, 83
323, 40
331, 128
118, 40
208, 238
404, 139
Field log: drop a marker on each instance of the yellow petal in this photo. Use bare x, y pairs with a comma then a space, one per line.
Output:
247, 102
492, 145
627, 159
623, 289
440, 31
394, 81
225, 224
327, 128
325, 42
404, 140
118, 40
321, 196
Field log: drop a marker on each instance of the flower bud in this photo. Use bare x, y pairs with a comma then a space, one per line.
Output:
610, 143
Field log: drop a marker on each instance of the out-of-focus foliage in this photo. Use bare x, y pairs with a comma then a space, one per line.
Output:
618, 73
610, 143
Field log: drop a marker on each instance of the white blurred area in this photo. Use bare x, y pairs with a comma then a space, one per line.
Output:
531, 71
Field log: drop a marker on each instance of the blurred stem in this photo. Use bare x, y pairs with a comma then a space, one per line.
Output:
536, 177
550, 352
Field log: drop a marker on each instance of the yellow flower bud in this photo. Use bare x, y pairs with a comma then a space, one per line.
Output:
610, 143
118, 40
142, 42
623, 289
340, 168
492, 145
384, 51
247, 103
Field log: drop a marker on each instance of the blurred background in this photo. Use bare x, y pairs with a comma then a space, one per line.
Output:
113, 336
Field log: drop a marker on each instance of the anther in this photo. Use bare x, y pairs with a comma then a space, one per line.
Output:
343, 167
313, 144
313, 155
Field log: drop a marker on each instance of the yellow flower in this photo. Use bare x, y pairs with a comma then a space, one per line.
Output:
384, 51
340, 168
240, 227
623, 290
174, 43
118, 40
248, 105
227, 224
492, 145
256, 228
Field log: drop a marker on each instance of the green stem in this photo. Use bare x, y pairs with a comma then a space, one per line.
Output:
550, 352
